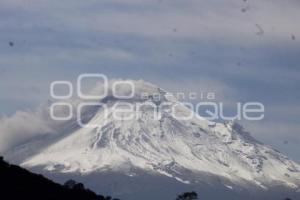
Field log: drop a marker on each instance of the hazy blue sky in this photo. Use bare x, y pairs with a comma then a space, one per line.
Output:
247, 50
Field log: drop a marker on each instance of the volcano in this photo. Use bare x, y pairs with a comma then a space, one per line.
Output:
148, 153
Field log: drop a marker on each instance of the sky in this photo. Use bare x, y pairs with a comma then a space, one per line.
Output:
243, 50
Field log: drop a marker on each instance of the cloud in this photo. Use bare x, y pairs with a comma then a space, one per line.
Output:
21, 127
194, 19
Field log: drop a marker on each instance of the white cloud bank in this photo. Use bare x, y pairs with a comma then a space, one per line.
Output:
22, 126
193, 19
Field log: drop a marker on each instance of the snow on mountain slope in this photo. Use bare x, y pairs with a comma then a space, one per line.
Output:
169, 146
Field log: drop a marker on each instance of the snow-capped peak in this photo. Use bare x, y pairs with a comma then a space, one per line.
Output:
171, 146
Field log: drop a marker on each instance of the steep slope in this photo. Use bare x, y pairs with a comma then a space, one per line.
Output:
185, 150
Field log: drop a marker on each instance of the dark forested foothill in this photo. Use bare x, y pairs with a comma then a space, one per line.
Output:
18, 183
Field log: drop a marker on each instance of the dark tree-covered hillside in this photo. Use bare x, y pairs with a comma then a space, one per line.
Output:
18, 183
188, 196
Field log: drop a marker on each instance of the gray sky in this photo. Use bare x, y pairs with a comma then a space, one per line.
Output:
247, 50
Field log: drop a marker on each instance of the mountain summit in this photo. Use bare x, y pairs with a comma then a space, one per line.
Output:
151, 140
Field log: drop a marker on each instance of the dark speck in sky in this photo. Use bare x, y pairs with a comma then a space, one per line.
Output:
245, 9
11, 44
260, 30
293, 37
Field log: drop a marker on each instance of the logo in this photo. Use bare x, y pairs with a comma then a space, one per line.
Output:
126, 92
